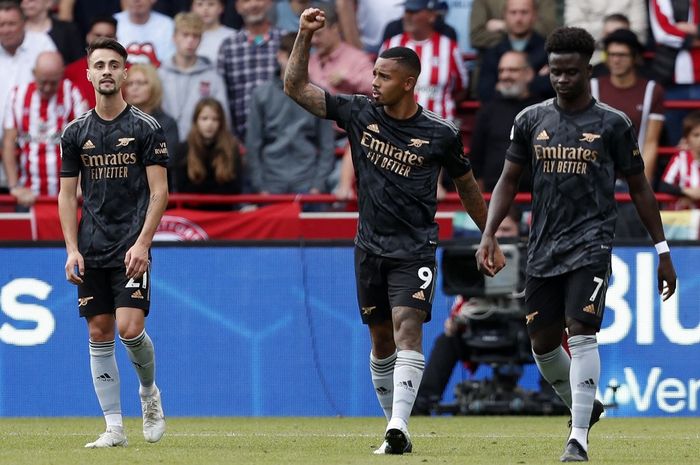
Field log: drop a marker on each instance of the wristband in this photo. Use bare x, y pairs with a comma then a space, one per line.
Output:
662, 247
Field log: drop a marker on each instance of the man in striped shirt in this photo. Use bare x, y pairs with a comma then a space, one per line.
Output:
35, 117
444, 81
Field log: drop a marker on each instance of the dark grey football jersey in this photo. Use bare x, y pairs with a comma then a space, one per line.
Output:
574, 159
111, 158
397, 163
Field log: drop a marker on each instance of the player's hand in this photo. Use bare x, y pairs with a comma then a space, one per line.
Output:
75, 268
666, 276
311, 20
24, 196
136, 261
489, 257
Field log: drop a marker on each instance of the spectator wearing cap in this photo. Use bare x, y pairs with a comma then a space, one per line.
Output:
436, 90
396, 27
625, 89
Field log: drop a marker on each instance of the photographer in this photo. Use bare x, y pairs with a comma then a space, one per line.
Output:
449, 348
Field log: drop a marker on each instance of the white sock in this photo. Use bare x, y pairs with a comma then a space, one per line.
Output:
555, 367
105, 378
584, 375
408, 373
142, 356
382, 371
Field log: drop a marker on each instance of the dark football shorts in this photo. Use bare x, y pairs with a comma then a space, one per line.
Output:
578, 294
105, 289
384, 283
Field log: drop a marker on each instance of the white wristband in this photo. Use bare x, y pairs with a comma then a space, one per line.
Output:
662, 247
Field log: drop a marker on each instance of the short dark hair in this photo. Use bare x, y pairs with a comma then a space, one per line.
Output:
690, 122
103, 19
6, 5
619, 17
405, 56
570, 40
109, 44
287, 42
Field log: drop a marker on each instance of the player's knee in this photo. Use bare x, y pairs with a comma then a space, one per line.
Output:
578, 328
99, 334
130, 329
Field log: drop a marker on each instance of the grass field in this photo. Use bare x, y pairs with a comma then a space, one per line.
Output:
330, 441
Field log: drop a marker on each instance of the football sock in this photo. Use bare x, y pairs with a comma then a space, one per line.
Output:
142, 356
382, 371
407, 377
585, 373
105, 378
555, 367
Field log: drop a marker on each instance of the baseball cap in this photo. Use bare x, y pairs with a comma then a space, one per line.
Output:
418, 5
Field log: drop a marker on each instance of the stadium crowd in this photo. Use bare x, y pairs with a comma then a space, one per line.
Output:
185, 52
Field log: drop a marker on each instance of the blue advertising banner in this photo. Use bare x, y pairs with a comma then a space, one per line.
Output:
276, 331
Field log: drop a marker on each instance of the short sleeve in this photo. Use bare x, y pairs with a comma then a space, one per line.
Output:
657, 109
70, 154
453, 160
519, 149
340, 108
154, 150
625, 151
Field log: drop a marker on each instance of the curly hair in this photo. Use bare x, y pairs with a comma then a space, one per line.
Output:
570, 40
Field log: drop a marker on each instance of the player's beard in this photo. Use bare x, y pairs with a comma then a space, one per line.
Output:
107, 92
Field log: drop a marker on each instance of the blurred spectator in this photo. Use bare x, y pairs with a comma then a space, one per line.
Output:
676, 65
611, 23
587, 14
144, 90
36, 116
335, 65
18, 53
186, 77
396, 26
487, 26
521, 36
102, 26
640, 99
491, 135
457, 16
64, 34
208, 162
214, 32
83, 12
146, 34
362, 22
287, 13
289, 150
682, 175
248, 58
443, 78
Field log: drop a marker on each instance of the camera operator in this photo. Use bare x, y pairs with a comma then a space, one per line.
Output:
449, 348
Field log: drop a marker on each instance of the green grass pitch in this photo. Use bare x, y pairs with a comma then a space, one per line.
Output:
330, 441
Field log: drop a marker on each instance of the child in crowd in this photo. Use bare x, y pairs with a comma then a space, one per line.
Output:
209, 161
214, 32
682, 175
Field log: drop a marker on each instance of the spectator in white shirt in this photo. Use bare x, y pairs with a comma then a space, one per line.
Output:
214, 32
146, 34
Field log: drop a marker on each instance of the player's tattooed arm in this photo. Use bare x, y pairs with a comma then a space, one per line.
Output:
296, 75
471, 198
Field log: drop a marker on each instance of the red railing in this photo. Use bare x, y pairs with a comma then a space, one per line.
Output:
182, 200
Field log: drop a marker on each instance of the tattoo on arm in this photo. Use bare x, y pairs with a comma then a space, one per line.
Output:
296, 79
472, 199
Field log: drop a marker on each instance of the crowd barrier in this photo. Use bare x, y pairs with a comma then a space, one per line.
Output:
274, 330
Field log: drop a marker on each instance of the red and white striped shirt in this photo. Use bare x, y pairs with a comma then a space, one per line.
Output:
663, 25
683, 170
39, 124
442, 71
